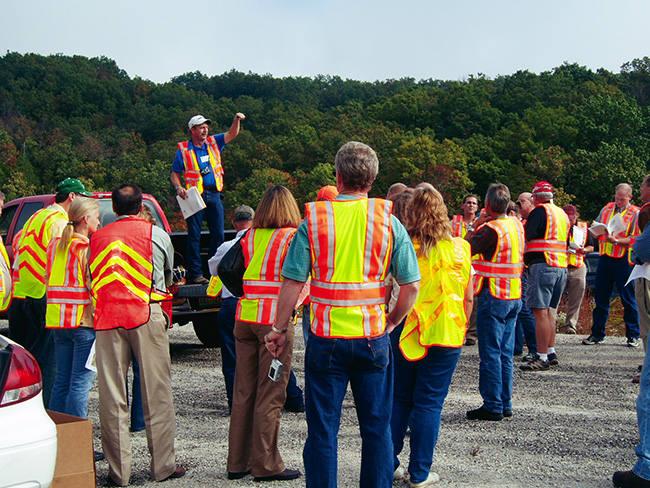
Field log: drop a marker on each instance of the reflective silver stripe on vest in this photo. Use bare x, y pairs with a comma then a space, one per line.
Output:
348, 286
70, 301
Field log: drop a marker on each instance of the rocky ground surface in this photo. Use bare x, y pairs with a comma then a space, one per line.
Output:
573, 426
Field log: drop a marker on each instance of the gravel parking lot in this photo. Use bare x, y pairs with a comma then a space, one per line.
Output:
573, 426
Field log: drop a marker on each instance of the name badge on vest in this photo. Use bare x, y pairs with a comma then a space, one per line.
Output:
205, 171
205, 159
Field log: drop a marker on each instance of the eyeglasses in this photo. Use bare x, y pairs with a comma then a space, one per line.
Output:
518, 203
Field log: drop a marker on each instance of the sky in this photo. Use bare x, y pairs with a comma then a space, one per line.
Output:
353, 39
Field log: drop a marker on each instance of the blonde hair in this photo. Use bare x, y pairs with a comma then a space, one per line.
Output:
79, 208
277, 209
427, 220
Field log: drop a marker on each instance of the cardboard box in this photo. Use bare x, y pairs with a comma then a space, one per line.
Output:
75, 455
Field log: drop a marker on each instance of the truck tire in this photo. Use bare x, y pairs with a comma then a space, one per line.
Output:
206, 329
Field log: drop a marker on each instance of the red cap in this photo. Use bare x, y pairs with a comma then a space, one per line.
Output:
543, 187
328, 192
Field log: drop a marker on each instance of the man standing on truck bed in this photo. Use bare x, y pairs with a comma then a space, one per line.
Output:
199, 160
39, 230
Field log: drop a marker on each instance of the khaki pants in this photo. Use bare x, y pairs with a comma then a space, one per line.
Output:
575, 289
257, 403
642, 295
150, 345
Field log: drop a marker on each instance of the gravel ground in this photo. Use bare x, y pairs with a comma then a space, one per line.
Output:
573, 426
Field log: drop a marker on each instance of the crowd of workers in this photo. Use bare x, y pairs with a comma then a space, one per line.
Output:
391, 289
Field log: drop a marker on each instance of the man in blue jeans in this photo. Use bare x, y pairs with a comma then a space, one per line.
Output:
348, 342
639, 476
199, 161
614, 267
499, 243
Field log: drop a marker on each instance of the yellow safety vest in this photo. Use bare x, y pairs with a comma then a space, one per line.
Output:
438, 316
5, 279
215, 286
503, 272
32, 251
264, 253
554, 244
574, 259
351, 245
67, 294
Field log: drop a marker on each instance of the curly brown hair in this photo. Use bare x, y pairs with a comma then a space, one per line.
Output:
427, 219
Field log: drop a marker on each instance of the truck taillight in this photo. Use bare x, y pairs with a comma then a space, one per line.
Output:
23, 380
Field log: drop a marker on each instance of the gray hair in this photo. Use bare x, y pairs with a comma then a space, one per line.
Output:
357, 164
543, 195
625, 186
498, 196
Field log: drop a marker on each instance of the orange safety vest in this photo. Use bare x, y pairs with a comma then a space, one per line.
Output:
192, 172
554, 244
503, 272
121, 267
32, 251
607, 248
264, 253
458, 226
438, 316
67, 294
578, 260
351, 245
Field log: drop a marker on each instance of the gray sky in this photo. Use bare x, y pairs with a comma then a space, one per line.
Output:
356, 39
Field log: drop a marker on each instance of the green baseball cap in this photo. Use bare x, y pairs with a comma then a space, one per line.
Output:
72, 185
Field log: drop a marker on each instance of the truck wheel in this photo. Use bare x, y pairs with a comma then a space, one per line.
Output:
206, 330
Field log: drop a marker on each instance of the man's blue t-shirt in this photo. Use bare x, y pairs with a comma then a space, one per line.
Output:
203, 157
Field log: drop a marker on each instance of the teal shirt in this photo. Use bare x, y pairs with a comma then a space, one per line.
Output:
403, 261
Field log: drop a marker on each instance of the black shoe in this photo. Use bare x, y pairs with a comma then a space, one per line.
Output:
287, 474
627, 479
483, 414
552, 359
238, 476
529, 357
470, 341
592, 340
99, 456
297, 407
507, 413
633, 342
537, 365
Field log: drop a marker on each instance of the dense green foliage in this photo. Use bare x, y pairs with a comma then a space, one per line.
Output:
581, 130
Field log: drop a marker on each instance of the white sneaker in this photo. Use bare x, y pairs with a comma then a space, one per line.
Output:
432, 479
399, 474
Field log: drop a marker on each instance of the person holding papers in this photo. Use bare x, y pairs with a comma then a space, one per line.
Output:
614, 267
581, 243
199, 161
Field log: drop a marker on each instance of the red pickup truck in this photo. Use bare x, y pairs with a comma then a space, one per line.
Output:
191, 303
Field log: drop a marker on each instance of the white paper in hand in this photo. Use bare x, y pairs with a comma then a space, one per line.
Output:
192, 204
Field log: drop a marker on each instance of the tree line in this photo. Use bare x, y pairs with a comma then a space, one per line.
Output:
584, 131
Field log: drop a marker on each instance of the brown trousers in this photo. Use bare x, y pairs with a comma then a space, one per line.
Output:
150, 345
257, 403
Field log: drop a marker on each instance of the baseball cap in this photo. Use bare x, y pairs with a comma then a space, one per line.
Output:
328, 192
72, 185
243, 212
198, 120
543, 187
570, 209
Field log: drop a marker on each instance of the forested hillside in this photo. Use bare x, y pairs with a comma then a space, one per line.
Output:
583, 131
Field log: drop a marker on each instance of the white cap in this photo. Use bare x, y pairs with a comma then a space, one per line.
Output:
198, 120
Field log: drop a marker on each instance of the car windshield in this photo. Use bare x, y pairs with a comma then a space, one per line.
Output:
107, 216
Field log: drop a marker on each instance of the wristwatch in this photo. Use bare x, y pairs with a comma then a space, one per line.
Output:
278, 331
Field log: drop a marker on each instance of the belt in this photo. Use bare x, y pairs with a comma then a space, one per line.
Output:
210, 188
